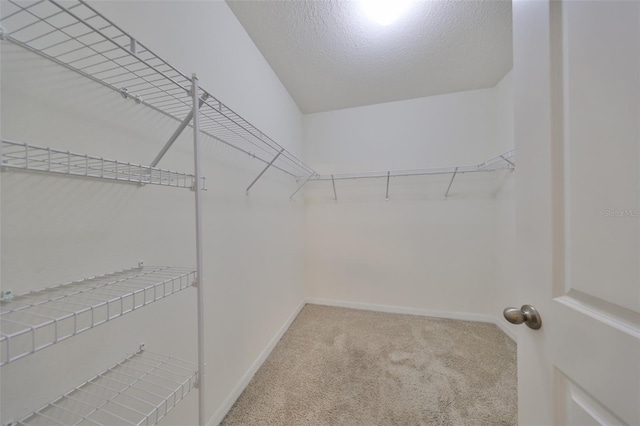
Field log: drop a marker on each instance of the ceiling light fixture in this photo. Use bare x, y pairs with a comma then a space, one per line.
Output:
385, 12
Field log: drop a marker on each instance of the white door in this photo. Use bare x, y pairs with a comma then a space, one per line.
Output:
577, 137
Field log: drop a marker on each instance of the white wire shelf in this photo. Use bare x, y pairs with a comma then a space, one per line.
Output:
35, 320
19, 155
140, 390
503, 161
79, 38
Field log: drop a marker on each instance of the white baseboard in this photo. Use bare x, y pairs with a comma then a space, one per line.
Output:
222, 411
416, 311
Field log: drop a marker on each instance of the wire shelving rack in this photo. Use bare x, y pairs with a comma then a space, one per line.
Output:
79, 38
23, 156
74, 35
505, 161
140, 390
500, 162
37, 319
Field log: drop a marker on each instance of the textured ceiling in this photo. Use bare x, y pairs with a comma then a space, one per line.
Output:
329, 55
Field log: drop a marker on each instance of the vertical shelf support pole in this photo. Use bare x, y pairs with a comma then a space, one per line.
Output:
451, 182
264, 170
333, 182
200, 281
388, 178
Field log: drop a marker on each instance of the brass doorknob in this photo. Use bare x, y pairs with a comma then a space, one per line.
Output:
526, 314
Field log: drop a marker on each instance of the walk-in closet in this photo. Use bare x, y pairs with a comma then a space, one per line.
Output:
319, 213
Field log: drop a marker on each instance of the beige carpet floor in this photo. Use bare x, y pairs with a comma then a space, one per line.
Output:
338, 366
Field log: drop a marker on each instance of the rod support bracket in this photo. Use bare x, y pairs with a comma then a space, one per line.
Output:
388, 179
455, 172
3, 36
142, 346
141, 264
333, 182
124, 92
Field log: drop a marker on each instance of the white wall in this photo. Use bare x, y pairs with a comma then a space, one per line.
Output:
435, 131
417, 250
56, 229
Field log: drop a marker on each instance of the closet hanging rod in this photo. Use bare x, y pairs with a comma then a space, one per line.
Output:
505, 161
78, 37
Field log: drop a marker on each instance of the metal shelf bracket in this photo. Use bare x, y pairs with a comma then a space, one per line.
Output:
202, 187
300, 187
3, 161
335, 195
388, 179
264, 170
507, 160
451, 182
6, 296
183, 125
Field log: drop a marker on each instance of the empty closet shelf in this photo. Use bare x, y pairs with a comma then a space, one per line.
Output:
35, 320
140, 390
19, 155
